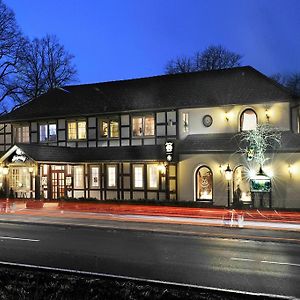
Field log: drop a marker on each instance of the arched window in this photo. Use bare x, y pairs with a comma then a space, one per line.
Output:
248, 120
241, 186
204, 184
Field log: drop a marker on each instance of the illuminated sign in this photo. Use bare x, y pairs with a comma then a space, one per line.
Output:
19, 156
169, 148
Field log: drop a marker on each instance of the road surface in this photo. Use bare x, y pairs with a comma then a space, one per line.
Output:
261, 266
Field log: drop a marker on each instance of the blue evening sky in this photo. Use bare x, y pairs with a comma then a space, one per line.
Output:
119, 39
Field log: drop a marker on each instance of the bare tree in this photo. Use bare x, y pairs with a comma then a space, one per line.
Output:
212, 58
217, 57
180, 65
290, 81
11, 51
47, 65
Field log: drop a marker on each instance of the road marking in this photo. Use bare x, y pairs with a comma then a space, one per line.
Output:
176, 284
279, 263
18, 239
265, 261
241, 259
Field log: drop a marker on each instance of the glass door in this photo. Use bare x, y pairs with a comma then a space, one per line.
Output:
58, 181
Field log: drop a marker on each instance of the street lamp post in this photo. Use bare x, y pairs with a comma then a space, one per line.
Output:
228, 177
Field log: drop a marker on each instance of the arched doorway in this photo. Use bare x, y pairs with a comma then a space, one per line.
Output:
241, 187
204, 184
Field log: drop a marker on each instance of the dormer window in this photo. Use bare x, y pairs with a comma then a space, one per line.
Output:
248, 120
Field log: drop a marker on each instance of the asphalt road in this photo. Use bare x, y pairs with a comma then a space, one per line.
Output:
270, 267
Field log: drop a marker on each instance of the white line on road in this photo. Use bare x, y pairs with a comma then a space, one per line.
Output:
177, 284
265, 261
18, 239
241, 259
279, 263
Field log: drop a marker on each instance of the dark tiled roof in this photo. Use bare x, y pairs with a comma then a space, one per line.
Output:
242, 85
230, 142
67, 154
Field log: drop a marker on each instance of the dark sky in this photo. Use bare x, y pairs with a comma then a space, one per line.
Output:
119, 39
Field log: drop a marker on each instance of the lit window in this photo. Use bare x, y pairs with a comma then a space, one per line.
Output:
47, 132
77, 130
94, 179
143, 126
248, 120
204, 180
82, 130
185, 120
138, 178
152, 176
109, 128
22, 134
78, 177
111, 176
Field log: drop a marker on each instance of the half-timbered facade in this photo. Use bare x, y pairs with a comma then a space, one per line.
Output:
107, 140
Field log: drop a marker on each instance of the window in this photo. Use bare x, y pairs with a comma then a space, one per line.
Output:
77, 130
152, 176
185, 121
248, 120
138, 178
47, 132
109, 128
111, 176
22, 134
19, 179
143, 126
78, 177
94, 177
204, 181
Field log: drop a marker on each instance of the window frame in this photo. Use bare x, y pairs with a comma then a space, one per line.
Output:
148, 177
134, 167
109, 121
108, 186
143, 128
198, 187
242, 118
75, 179
91, 177
20, 133
76, 130
48, 124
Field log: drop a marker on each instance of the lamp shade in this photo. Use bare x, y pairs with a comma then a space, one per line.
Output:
228, 173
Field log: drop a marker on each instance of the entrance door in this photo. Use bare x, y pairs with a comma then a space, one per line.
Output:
58, 181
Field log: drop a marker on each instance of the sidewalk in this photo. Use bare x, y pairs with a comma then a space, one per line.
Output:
278, 220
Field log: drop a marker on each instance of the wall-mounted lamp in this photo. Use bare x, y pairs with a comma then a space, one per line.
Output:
291, 170
30, 169
227, 116
267, 115
5, 170
162, 168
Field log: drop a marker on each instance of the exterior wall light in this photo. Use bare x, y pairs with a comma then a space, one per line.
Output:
291, 170
228, 177
30, 169
162, 168
5, 170
267, 115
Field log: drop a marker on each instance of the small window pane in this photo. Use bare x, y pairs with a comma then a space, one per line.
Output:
153, 176
149, 125
111, 176
43, 133
82, 130
78, 177
185, 120
72, 131
94, 179
114, 129
138, 176
52, 132
137, 126
104, 129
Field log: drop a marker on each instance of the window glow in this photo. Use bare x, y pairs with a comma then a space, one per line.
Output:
94, 179
82, 130
111, 176
248, 120
143, 126
72, 130
22, 134
138, 176
153, 176
78, 177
